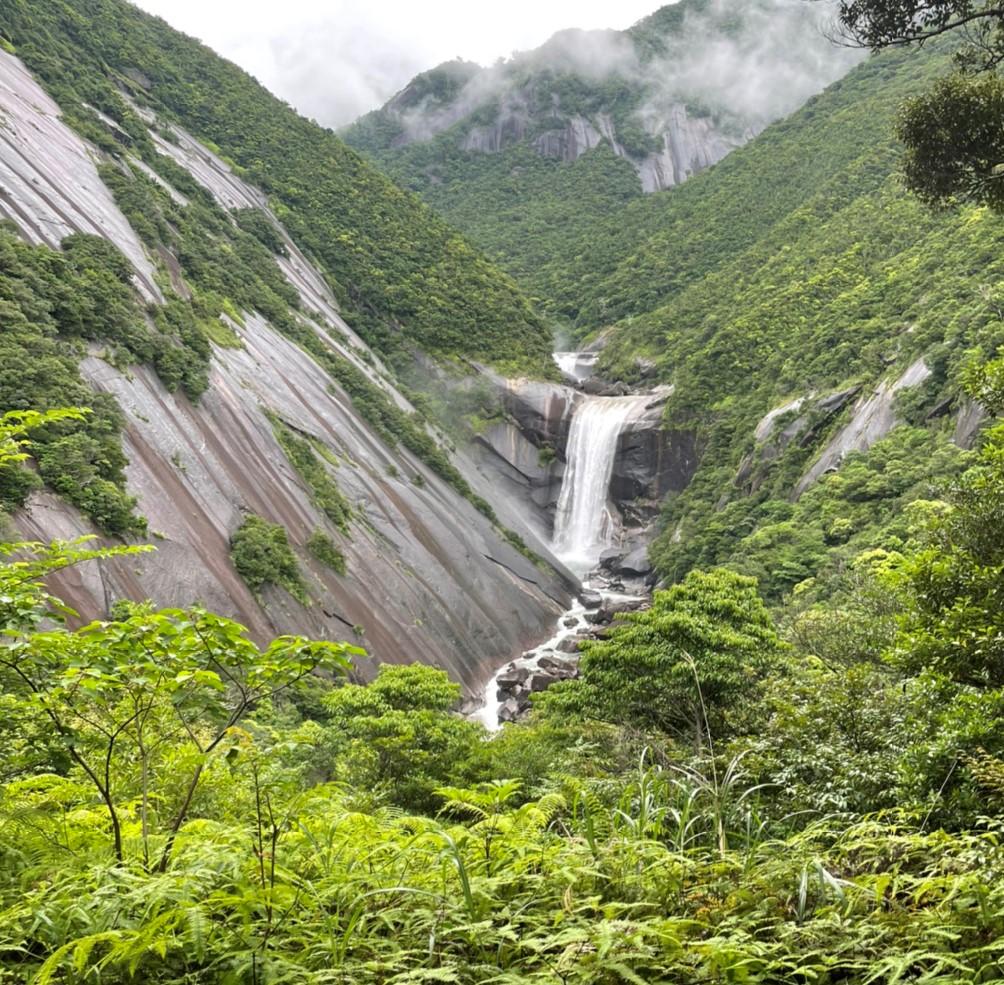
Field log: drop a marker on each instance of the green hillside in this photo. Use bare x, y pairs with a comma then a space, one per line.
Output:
404, 277
800, 266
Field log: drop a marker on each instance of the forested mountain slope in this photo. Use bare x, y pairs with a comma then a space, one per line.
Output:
236, 419
528, 156
799, 279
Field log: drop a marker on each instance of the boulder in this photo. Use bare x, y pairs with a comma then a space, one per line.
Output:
610, 559
511, 677
635, 563
569, 645
558, 666
509, 711
539, 681
614, 607
570, 622
590, 598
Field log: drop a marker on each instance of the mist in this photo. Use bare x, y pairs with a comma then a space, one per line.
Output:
335, 60
744, 62
767, 58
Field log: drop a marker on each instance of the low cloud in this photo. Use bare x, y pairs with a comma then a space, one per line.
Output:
765, 60
745, 62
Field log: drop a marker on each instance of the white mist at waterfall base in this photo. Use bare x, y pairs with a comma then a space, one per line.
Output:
584, 525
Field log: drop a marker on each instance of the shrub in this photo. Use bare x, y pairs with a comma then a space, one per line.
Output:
262, 556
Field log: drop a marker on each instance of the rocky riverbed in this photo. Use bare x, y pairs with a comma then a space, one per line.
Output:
507, 696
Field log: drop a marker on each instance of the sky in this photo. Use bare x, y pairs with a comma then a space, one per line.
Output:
336, 59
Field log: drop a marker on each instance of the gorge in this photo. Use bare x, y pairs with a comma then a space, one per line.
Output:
284, 713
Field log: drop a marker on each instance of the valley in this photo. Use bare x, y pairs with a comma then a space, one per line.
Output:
550, 532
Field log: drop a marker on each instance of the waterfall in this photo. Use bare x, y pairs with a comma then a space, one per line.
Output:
578, 365
583, 524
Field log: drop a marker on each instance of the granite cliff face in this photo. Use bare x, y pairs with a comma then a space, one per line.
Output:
428, 578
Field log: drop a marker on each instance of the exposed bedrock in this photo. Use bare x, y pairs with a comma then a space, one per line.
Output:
529, 449
651, 463
428, 577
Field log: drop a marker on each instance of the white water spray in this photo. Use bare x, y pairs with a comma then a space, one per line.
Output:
583, 523
578, 365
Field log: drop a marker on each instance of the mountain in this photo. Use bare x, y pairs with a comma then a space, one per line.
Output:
814, 322
526, 156
220, 281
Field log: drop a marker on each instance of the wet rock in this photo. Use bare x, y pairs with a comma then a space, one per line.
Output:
618, 389
610, 559
650, 463
570, 645
560, 667
635, 563
539, 681
570, 622
541, 411
590, 598
511, 677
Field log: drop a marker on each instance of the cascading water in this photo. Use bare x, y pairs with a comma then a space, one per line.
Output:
578, 365
583, 524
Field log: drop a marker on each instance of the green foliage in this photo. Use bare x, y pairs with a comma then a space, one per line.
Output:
953, 624
324, 491
262, 556
49, 301
166, 815
687, 666
396, 738
955, 141
325, 550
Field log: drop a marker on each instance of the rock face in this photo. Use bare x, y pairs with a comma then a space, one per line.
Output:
874, 417
688, 145
650, 463
429, 578
49, 186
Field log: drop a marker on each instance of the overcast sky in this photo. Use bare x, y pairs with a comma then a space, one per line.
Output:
336, 59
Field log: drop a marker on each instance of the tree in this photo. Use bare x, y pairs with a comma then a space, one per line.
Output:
397, 736
128, 698
892, 23
954, 134
686, 665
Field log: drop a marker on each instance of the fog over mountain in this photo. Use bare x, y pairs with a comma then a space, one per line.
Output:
751, 63
337, 60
